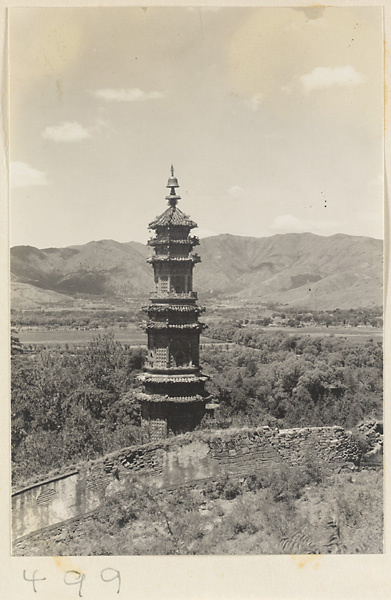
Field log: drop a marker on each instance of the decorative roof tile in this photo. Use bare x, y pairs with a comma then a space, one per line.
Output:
171, 379
165, 325
163, 308
162, 241
194, 258
182, 399
151, 378
172, 216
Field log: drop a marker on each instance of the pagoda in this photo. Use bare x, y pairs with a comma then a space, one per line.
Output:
174, 398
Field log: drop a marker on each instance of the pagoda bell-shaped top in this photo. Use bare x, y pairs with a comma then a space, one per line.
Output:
172, 216
172, 184
173, 181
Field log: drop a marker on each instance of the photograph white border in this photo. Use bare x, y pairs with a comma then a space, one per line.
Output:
201, 577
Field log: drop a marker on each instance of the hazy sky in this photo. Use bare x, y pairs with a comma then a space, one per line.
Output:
271, 116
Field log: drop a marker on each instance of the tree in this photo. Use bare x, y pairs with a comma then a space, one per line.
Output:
74, 404
16, 346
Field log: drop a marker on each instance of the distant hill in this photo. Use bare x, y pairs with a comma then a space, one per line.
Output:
103, 268
303, 269
27, 297
300, 269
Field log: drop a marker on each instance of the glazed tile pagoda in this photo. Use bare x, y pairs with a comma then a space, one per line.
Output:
174, 397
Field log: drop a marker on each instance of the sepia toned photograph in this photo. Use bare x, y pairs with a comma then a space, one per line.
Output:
196, 257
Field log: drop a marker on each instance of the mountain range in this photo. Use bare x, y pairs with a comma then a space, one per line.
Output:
298, 269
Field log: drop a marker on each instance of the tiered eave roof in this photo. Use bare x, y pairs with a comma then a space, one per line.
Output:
172, 216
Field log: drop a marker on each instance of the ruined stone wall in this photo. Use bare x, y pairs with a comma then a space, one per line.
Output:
177, 461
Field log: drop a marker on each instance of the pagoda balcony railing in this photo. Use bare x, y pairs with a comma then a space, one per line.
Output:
181, 308
151, 325
186, 369
191, 239
195, 258
143, 397
172, 379
173, 295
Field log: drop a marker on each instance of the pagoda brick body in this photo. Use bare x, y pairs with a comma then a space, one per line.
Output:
174, 396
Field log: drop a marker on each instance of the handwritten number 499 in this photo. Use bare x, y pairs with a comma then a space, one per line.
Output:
77, 578
34, 579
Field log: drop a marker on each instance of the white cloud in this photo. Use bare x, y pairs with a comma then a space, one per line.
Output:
325, 77
291, 224
203, 233
236, 192
126, 95
23, 175
255, 101
286, 223
69, 131
288, 87
101, 126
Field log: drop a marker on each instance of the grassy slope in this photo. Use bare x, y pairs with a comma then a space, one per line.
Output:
344, 507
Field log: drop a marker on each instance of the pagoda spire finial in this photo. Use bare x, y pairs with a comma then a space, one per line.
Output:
172, 185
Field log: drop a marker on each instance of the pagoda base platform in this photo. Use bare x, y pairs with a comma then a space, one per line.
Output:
163, 417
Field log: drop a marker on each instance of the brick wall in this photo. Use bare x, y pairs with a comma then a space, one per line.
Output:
170, 463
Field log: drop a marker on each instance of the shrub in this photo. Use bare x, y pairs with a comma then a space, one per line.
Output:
224, 487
